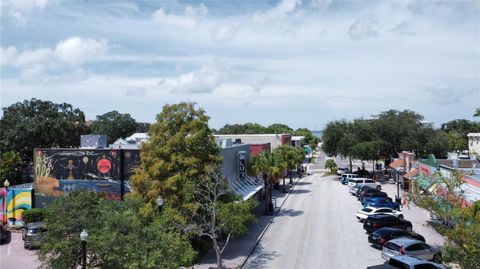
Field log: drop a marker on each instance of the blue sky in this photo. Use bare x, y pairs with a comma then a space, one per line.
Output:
302, 63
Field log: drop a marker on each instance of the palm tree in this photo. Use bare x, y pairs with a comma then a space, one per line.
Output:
271, 168
477, 112
299, 156
260, 166
282, 153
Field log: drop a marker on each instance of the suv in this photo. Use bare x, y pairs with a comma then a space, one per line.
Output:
385, 234
407, 262
381, 202
375, 222
346, 177
411, 247
372, 195
32, 234
364, 182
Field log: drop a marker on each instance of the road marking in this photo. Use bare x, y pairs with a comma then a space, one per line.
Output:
9, 249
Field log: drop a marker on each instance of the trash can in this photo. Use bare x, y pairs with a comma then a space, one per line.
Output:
398, 200
274, 201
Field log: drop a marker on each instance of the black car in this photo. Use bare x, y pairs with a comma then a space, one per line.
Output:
365, 191
3, 233
373, 194
363, 188
383, 235
375, 222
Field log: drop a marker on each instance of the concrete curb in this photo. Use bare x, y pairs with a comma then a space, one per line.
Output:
269, 222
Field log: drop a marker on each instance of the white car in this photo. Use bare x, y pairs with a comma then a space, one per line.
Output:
364, 182
363, 213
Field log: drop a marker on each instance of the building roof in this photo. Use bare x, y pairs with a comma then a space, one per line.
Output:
411, 174
473, 134
396, 163
253, 135
137, 136
298, 138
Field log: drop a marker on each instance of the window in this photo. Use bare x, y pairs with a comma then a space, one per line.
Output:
417, 247
385, 210
369, 181
392, 246
367, 210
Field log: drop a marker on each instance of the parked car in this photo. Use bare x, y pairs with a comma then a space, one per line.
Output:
345, 178
353, 190
411, 247
32, 234
375, 222
407, 262
3, 233
341, 171
381, 202
364, 181
385, 234
363, 188
361, 193
373, 194
363, 213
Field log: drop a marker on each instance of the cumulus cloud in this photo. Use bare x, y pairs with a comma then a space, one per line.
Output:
446, 94
364, 28
55, 65
203, 80
188, 20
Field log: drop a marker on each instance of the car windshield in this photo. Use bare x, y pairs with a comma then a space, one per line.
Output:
367, 210
392, 246
398, 264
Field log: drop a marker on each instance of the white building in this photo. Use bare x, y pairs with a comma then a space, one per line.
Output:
275, 140
474, 143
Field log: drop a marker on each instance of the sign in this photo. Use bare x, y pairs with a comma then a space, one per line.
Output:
242, 164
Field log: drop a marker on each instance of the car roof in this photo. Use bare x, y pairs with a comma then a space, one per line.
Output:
34, 225
410, 260
405, 241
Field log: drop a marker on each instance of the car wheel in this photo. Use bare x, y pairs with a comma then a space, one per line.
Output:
437, 258
409, 228
379, 187
400, 216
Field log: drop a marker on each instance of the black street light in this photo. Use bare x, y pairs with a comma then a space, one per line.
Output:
160, 203
83, 238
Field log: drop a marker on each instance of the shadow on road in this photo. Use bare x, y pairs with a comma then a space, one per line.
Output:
300, 191
261, 259
303, 183
289, 213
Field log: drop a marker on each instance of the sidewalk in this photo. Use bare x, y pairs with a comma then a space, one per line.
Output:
240, 248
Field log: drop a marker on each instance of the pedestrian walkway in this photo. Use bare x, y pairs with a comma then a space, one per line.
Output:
240, 248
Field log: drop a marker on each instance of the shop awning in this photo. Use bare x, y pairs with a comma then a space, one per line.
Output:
411, 174
246, 187
424, 182
396, 163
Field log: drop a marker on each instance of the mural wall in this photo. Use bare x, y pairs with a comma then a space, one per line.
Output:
17, 202
60, 171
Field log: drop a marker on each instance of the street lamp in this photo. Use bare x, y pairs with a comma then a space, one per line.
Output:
6, 184
83, 238
160, 203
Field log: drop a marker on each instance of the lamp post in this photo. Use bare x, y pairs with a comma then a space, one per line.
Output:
160, 203
6, 184
83, 238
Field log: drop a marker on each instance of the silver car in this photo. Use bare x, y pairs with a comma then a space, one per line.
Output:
407, 262
411, 247
32, 235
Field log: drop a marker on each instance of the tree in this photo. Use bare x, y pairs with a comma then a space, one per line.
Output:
260, 165
247, 128
286, 160
329, 164
115, 125
462, 127
36, 123
217, 212
279, 128
10, 166
346, 146
477, 112
119, 236
181, 152
310, 139
456, 141
331, 136
438, 144
142, 127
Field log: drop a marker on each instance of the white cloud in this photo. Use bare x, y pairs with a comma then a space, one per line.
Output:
76, 51
364, 28
203, 80
7, 55
21, 10
447, 94
188, 20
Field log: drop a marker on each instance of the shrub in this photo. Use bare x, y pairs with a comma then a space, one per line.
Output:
33, 215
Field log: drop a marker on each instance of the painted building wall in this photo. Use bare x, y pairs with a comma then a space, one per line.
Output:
230, 165
275, 140
256, 149
16, 202
60, 171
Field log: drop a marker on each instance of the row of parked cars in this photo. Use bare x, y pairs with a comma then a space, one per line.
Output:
388, 230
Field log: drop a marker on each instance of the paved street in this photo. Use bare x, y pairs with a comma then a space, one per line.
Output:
317, 228
13, 255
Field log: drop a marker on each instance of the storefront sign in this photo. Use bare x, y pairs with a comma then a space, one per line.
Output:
242, 164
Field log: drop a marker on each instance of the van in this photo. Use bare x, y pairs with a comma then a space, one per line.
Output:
364, 182
346, 177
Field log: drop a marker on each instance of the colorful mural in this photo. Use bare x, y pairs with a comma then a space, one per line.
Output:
60, 171
17, 202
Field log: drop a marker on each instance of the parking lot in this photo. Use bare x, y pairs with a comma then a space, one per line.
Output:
13, 255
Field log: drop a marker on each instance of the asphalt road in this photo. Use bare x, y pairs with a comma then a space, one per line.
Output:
13, 255
316, 228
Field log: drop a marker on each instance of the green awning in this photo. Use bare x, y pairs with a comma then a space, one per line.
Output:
424, 182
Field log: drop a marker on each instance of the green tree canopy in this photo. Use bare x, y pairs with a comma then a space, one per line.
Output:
119, 236
115, 125
36, 123
181, 152
278, 128
462, 127
310, 139
10, 166
331, 136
